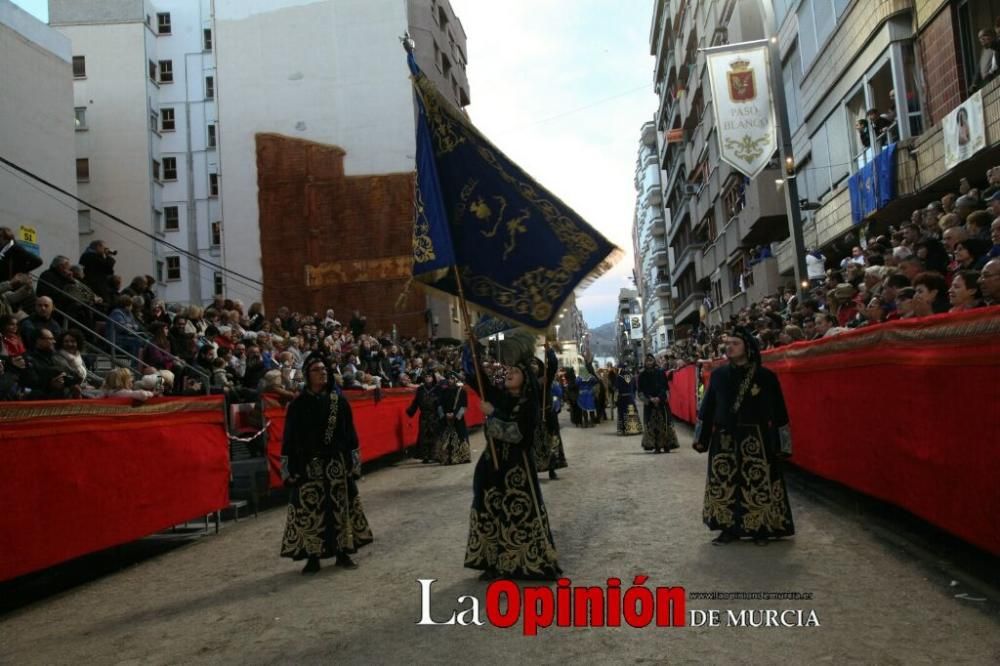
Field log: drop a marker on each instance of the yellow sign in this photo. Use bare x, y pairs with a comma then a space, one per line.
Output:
28, 234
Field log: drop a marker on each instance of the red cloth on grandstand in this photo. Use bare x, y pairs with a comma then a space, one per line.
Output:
683, 393
91, 474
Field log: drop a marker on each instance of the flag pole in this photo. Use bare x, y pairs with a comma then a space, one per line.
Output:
475, 358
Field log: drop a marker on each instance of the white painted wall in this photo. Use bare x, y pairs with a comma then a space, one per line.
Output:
36, 130
333, 72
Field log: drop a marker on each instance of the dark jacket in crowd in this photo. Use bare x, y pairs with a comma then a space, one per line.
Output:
97, 273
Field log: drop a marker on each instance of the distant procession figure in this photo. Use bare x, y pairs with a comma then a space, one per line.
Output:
325, 517
571, 395
585, 398
743, 425
453, 444
626, 388
427, 400
509, 535
549, 452
659, 435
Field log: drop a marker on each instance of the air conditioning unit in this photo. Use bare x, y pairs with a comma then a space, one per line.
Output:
690, 190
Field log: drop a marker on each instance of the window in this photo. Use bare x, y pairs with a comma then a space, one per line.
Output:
166, 71
83, 170
217, 283
159, 271
79, 67
206, 39
791, 73
167, 123
437, 56
209, 87
83, 221
157, 220
80, 113
163, 23
216, 233
817, 20
211, 135
173, 268
213, 184
171, 218
973, 16
169, 168
152, 70
156, 170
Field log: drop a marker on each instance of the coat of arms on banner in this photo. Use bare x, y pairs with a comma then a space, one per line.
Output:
742, 85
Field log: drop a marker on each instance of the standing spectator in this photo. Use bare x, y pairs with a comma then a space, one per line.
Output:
14, 257
989, 59
14, 293
357, 324
98, 263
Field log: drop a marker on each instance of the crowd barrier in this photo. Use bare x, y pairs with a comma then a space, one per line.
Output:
85, 475
902, 412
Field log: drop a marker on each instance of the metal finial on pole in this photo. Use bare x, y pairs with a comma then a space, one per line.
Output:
408, 44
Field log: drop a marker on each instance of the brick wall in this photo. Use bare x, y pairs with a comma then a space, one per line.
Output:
943, 71
314, 219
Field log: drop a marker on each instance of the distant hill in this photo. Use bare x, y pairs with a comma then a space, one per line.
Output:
602, 339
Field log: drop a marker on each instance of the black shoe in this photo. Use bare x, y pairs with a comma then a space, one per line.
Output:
489, 574
552, 474
346, 562
723, 539
312, 566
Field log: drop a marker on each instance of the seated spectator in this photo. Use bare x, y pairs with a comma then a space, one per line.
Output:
911, 267
964, 292
826, 326
930, 294
989, 282
118, 383
137, 287
123, 329
965, 205
977, 225
873, 312
157, 381
158, 312
220, 378
15, 294
904, 304
843, 303
57, 283
933, 254
11, 342
947, 222
156, 354
890, 292
69, 345
971, 254
42, 319
994, 201
791, 334
44, 376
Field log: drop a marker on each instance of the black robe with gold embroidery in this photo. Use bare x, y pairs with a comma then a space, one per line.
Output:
509, 527
745, 492
324, 510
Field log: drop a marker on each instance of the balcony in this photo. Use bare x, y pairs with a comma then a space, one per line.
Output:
660, 256
687, 312
687, 257
659, 226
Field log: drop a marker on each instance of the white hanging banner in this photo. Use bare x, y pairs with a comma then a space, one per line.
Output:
743, 107
635, 327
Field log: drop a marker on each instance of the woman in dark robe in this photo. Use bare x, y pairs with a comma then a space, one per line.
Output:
453, 444
659, 435
427, 400
509, 534
549, 452
325, 517
572, 396
626, 388
743, 424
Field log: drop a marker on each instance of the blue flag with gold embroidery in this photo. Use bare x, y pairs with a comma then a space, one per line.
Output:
519, 251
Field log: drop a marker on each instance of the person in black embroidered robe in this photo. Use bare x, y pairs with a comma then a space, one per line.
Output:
325, 517
427, 400
743, 425
626, 388
453, 443
549, 452
659, 435
509, 534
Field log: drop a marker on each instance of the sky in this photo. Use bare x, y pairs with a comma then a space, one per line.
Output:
563, 88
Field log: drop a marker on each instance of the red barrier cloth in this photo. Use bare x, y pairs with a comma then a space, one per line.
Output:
383, 428
683, 394
904, 412
86, 475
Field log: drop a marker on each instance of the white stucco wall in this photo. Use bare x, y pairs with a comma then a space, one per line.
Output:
333, 72
36, 130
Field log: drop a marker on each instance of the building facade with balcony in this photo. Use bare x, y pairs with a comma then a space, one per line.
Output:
718, 219
147, 138
629, 346
651, 250
924, 52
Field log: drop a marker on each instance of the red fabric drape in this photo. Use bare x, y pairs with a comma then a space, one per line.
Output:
88, 475
383, 428
683, 394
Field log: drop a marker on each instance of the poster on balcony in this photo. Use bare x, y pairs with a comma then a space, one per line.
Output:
635, 327
964, 131
743, 108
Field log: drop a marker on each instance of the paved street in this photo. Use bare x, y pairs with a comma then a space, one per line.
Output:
616, 512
